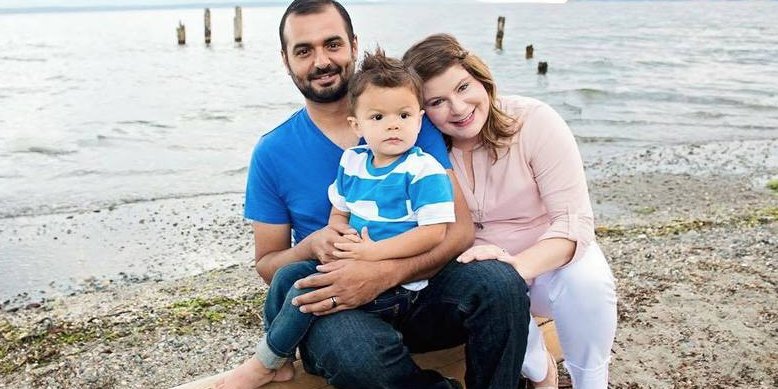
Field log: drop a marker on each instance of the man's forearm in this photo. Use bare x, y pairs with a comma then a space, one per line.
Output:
268, 264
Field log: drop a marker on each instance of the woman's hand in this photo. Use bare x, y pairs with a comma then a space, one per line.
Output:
484, 252
490, 251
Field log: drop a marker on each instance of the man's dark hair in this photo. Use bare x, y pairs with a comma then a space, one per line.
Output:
308, 7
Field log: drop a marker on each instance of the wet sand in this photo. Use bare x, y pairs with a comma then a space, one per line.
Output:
690, 232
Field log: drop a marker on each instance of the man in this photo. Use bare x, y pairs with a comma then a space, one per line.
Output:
483, 304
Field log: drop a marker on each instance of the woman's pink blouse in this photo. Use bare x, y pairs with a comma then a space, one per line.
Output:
537, 188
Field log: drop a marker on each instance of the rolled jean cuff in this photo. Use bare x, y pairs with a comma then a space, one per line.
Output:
267, 357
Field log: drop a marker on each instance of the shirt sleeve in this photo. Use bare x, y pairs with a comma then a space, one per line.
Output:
430, 192
558, 170
431, 141
263, 201
335, 191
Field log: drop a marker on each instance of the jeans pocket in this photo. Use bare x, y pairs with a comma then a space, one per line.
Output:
391, 304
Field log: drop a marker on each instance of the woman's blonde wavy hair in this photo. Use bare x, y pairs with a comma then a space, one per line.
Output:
434, 55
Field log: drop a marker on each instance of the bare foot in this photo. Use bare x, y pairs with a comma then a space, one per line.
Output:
284, 373
552, 377
250, 375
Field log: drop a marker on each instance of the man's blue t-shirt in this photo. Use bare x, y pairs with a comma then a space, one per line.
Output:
293, 165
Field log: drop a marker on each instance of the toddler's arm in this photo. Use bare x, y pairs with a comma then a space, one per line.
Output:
410, 243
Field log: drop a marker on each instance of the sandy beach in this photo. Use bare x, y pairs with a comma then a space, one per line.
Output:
691, 232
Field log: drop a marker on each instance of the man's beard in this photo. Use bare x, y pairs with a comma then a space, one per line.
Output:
329, 94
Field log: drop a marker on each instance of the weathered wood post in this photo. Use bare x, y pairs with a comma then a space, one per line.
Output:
181, 33
500, 32
529, 52
542, 67
238, 21
207, 26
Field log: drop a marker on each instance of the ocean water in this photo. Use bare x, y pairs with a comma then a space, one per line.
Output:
100, 109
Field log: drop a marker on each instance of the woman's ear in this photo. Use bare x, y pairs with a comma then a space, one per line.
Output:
352, 121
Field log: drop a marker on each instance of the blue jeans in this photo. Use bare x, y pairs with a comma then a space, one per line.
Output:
482, 304
285, 325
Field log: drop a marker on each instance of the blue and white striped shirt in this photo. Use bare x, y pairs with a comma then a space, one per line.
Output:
412, 191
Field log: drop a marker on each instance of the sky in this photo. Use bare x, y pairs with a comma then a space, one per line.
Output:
33, 4
130, 3
102, 3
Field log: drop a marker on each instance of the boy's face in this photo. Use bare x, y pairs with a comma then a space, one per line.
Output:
389, 119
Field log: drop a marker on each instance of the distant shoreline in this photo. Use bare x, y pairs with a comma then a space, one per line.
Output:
115, 8
148, 7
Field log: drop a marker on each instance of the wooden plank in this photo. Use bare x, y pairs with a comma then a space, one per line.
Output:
449, 362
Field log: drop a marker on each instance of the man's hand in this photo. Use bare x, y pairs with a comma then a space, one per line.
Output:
352, 283
321, 242
359, 248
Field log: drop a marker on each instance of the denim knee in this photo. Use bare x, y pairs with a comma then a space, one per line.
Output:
368, 352
496, 283
282, 283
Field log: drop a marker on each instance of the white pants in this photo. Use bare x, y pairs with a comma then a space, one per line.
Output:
581, 298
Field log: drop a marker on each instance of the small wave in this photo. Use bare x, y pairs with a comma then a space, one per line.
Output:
144, 123
22, 59
615, 122
567, 108
236, 172
602, 139
43, 210
678, 124
108, 138
200, 148
590, 93
661, 64
273, 106
42, 45
118, 173
712, 98
222, 118
705, 115
46, 151
209, 116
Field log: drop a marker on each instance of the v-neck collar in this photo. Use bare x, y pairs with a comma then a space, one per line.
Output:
476, 197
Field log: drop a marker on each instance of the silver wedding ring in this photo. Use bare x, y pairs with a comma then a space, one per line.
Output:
334, 301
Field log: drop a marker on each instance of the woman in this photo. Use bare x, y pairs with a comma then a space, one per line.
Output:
523, 178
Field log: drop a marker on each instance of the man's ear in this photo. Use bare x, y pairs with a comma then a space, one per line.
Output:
285, 61
354, 47
352, 122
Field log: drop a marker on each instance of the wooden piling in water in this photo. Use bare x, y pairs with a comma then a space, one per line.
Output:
530, 51
181, 33
207, 26
500, 32
238, 22
542, 67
